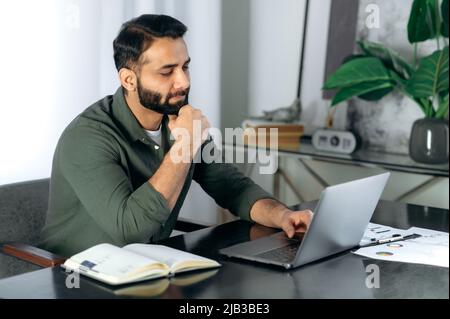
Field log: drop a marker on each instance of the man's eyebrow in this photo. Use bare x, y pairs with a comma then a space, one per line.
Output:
167, 66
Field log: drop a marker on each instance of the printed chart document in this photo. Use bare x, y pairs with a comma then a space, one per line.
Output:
430, 249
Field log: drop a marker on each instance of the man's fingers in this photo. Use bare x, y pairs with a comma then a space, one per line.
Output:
302, 219
289, 229
308, 215
185, 108
296, 221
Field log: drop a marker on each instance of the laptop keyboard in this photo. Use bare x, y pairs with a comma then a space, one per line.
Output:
282, 254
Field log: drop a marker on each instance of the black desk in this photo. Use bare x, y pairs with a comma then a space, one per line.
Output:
341, 276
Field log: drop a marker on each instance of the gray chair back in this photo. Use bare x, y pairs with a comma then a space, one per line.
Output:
23, 207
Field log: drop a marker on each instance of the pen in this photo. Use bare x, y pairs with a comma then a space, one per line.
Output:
391, 239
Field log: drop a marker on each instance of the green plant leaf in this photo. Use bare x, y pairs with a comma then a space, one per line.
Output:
401, 82
422, 21
357, 71
431, 77
376, 95
423, 103
443, 108
359, 89
444, 11
442, 94
390, 59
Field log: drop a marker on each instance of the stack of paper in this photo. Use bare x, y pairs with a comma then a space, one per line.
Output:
431, 248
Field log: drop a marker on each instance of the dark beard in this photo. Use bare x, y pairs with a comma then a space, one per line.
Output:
152, 100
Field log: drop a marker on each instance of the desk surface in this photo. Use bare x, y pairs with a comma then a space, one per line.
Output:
340, 276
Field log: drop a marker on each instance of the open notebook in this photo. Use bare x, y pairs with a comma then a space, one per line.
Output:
135, 262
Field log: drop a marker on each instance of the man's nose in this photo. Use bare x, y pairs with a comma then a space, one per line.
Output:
182, 81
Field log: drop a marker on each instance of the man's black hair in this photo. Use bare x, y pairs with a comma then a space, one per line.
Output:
138, 34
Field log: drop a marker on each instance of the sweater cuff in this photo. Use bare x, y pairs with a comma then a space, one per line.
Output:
250, 198
152, 202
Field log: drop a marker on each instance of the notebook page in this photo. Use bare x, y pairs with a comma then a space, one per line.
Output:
112, 261
167, 255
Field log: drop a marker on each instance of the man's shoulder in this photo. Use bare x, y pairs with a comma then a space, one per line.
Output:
95, 120
96, 115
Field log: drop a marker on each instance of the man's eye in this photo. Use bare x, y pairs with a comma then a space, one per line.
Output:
166, 74
186, 67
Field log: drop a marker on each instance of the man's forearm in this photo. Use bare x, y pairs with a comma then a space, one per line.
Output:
170, 177
268, 212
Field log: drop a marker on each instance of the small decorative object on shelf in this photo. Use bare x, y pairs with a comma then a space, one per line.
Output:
337, 141
287, 114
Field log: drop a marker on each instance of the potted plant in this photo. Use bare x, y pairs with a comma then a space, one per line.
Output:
377, 71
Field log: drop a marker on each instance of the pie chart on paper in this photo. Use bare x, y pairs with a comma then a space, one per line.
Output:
384, 253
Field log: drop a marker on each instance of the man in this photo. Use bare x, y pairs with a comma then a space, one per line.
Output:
115, 177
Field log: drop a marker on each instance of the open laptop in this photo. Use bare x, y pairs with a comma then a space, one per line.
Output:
340, 219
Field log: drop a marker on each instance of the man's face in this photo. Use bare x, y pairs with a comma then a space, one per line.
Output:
163, 81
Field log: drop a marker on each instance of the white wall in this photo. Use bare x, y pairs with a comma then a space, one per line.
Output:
276, 32
27, 110
314, 108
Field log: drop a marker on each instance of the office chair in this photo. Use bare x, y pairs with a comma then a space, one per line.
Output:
23, 207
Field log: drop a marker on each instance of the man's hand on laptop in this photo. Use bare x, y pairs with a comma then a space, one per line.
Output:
271, 213
296, 222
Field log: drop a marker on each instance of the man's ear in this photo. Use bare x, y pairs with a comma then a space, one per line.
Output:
128, 79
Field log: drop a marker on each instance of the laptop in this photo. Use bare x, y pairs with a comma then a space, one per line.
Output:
339, 221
